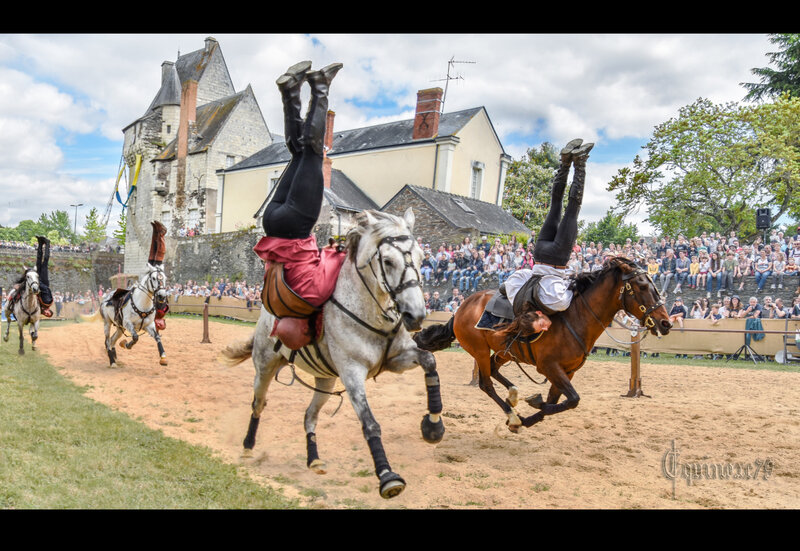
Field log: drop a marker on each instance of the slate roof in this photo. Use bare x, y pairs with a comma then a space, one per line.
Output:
210, 119
170, 91
343, 194
390, 134
488, 218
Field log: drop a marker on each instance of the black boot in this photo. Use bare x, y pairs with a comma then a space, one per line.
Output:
579, 157
316, 118
289, 84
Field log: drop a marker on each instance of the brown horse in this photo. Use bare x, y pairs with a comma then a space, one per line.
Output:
561, 350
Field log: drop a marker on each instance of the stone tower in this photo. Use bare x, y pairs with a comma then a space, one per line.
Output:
196, 124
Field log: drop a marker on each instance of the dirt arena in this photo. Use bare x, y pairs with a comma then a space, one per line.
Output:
607, 453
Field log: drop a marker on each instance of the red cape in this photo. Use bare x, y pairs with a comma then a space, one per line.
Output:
309, 271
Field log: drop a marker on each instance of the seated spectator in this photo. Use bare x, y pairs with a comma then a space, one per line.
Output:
743, 268
435, 303
454, 301
678, 312
427, 267
694, 269
777, 310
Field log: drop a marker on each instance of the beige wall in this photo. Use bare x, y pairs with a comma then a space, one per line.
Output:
244, 191
382, 173
478, 143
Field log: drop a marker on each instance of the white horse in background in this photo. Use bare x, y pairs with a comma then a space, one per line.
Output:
134, 310
377, 300
26, 308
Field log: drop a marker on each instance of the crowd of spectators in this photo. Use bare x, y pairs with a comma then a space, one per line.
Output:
82, 248
710, 262
222, 287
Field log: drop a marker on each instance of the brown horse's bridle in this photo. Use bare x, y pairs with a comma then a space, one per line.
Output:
648, 320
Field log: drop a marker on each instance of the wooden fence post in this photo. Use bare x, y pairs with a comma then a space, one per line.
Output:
205, 324
635, 386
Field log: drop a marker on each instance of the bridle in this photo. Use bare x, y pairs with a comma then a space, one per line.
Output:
28, 287
627, 290
150, 294
408, 264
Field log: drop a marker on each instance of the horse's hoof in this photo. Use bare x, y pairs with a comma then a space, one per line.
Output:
124, 343
21, 352
163, 361
391, 485
432, 432
247, 453
318, 466
513, 422
513, 397
535, 401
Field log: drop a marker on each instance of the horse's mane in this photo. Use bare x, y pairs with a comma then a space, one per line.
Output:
385, 225
21, 280
583, 281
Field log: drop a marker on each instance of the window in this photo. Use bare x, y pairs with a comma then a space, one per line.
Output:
229, 160
166, 218
193, 219
477, 180
169, 128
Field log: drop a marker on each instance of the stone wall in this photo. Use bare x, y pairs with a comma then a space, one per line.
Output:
69, 272
214, 256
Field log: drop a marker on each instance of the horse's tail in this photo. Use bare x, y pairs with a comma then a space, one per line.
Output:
236, 353
96, 316
436, 337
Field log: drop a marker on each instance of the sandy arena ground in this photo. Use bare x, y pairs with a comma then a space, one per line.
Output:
607, 453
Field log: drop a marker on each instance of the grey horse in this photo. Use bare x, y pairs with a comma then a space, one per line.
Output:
377, 300
26, 309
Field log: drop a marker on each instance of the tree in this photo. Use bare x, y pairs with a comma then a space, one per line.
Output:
712, 166
786, 79
94, 231
609, 229
28, 229
59, 221
528, 183
119, 232
10, 234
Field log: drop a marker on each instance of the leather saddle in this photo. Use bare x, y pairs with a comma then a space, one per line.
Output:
296, 325
529, 293
117, 301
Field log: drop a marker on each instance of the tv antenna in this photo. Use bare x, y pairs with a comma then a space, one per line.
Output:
450, 77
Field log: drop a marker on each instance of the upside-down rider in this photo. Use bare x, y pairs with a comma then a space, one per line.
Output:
42, 261
158, 248
296, 204
543, 290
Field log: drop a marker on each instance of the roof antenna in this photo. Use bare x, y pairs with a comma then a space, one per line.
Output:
449, 77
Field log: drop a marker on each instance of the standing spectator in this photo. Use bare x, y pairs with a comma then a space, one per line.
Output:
794, 311
427, 268
697, 311
667, 271
681, 270
736, 306
777, 310
714, 274
753, 310
778, 270
435, 303
728, 269
762, 269
484, 245
725, 309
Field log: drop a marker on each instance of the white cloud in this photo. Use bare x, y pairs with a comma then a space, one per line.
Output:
539, 87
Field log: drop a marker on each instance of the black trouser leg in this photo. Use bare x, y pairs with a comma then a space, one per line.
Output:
550, 226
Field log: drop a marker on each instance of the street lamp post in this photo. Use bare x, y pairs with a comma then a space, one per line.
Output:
75, 230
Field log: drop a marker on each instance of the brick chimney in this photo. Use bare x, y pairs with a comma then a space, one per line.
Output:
188, 116
429, 108
327, 164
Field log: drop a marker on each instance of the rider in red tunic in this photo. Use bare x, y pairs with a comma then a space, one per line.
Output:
295, 207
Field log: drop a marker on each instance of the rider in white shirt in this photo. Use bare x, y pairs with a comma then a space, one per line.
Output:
557, 236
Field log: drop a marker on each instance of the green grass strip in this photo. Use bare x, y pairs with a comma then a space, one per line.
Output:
62, 450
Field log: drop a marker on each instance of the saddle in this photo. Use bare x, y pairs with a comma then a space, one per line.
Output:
117, 301
529, 293
297, 320
499, 312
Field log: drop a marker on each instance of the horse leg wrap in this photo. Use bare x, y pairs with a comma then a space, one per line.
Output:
434, 396
160, 348
112, 356
311, 448
378, 455
250, 440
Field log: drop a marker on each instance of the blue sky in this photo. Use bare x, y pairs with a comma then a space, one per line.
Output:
64, 99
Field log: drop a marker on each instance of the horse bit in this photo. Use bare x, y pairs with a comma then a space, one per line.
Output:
649, 322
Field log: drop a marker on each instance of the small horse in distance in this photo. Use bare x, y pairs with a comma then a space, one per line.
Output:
561, 350
376, 302
134, 310
24, 304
